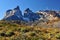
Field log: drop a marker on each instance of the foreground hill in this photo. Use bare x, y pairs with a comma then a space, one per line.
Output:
14, 31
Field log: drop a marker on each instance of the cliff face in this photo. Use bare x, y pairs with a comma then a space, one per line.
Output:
30, 16
14, 14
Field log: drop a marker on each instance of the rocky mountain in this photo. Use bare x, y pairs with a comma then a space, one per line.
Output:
30, 16
14, 14
48, 15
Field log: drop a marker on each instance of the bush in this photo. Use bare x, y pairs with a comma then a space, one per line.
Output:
2, 34
58, 36
33, 34
24, 30
10, 34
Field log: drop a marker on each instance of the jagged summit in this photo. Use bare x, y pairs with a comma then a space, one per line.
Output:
8, 10
17, 8
29, 15
13, 14
28, 11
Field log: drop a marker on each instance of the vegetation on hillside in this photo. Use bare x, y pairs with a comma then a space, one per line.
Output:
13, 31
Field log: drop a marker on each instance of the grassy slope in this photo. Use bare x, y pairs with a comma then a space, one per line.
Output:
11, 31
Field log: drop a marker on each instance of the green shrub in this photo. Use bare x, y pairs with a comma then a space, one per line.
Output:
33, 34
58, 36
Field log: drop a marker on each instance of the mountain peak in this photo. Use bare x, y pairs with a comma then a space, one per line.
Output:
16, 14
13, 14
28, 11
16, 8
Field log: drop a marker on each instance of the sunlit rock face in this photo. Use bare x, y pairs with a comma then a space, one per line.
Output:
30, 16
48, 15
14, 14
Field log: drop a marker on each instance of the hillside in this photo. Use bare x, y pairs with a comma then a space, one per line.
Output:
40, 25
13, 31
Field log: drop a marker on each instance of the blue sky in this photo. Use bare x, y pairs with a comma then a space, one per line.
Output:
34, 5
